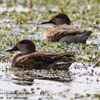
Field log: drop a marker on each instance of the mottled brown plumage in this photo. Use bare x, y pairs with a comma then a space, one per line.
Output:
30, 58
65, 33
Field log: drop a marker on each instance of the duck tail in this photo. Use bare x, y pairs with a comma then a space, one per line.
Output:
63, 56
90, 32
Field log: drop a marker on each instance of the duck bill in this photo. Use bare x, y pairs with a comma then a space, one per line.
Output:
13, 49
47, 22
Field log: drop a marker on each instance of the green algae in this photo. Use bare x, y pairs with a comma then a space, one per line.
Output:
20, 20
97, 96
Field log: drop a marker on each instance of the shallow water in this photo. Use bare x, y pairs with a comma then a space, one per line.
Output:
82, 80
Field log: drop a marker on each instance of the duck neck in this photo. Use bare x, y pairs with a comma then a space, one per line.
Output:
28, 51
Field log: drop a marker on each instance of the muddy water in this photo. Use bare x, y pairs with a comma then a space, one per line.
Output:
18, 84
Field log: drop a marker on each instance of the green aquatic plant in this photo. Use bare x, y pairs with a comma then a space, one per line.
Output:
97, 96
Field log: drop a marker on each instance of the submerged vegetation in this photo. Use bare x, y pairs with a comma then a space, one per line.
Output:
17, 21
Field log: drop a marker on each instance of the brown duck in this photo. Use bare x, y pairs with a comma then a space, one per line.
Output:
64, 32
30, 58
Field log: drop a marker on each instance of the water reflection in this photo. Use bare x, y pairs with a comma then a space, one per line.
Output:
23, 79
26, 77
16, 82
25, 84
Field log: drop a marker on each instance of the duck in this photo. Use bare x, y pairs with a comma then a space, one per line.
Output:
32, 59
64, 32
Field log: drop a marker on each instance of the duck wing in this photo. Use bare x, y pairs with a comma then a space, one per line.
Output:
39, 60
55, 33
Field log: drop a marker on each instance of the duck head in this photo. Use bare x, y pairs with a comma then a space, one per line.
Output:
59, 19
25, 46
